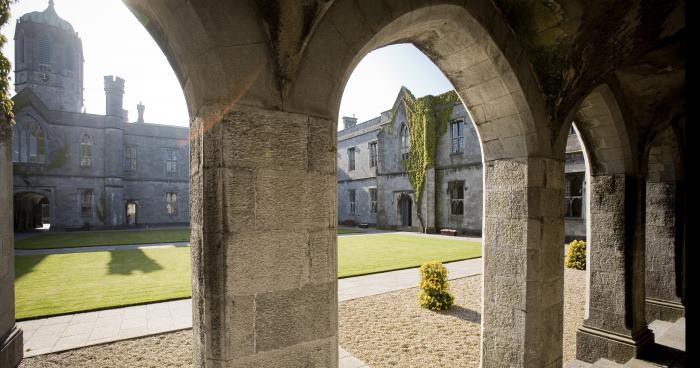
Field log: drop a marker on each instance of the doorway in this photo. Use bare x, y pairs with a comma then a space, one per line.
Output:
131, 208
405, 209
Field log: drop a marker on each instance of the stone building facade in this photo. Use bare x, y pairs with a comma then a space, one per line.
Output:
373, 187
79, 170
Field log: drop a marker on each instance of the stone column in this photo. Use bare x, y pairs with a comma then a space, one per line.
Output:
10, 335
662, 299
523, 293
616, 326
263, 217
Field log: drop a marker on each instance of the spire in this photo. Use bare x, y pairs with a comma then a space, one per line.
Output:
51, 6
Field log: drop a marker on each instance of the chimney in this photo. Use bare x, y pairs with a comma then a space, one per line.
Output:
140, 108
114, 92
349, 122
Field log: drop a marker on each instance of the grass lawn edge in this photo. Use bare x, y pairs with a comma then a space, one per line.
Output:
101, 245
100, 309
404, 268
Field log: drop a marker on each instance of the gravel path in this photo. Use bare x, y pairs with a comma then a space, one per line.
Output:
386, 330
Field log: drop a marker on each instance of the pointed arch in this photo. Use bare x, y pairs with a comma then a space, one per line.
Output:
405, 141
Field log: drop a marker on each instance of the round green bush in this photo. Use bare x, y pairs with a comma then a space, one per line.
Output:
434, 293
576, 255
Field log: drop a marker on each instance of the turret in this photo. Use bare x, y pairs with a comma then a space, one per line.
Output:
114, 93
349, 122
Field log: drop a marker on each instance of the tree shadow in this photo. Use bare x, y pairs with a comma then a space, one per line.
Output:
463, 314
25, 264
125, 262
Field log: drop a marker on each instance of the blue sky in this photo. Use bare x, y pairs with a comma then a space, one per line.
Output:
115, 43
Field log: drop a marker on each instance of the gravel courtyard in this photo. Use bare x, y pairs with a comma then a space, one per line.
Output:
386, 330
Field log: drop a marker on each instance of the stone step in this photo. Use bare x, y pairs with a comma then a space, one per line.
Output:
604, 363
638, 363
672, 334
576, 364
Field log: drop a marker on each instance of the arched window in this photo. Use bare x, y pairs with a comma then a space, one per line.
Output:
44, 50
405, 142
69, 60
32, 144
85, 151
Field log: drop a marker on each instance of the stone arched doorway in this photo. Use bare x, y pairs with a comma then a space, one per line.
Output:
31, 211
405, 207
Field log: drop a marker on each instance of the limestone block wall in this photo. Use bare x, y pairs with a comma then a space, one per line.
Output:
470, 222
362, 201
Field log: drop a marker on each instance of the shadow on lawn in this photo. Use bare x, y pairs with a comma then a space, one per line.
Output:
125, 262
25, 264
463, 313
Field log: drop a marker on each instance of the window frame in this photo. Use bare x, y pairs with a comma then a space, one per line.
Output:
372, 154
351, 158
570, 200
86, 193
457, 141
456, 191
373, 200
352, 199
404, 142
171, 161
85, 154
171, 203
130, 158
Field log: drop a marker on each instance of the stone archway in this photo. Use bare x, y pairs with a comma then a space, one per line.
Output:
29, 210
263, 197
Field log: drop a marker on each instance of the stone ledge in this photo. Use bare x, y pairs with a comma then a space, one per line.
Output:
11, 348
593, 344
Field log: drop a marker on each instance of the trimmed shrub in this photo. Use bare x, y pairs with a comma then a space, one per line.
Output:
576, 255
434, 293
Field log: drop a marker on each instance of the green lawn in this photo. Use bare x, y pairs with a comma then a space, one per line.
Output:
358, 255
115, 237
112, 237
63, 283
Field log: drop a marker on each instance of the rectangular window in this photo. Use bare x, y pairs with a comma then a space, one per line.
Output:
171, 160
86, 203
171, 202
351, 159
573, 195
373, 154
457, 129
353, 207
130, 158
373, 200
456, 189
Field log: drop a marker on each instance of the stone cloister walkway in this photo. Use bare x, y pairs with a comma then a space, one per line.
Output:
54, 334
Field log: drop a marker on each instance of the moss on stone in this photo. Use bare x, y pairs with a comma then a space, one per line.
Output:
59, 158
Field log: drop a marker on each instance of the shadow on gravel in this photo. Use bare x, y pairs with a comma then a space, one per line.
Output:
463, 313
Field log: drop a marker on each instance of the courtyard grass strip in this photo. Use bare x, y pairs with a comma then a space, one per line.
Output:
366, 254
55, 284
112, 237
65, 283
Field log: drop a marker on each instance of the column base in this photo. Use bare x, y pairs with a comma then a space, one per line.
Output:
663, 310
11, 348
593, 344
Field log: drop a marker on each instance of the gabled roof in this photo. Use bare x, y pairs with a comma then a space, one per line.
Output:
27, 98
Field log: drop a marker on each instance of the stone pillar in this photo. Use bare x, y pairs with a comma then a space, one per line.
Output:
10, 335
662, 300
523, 292
263, 218
616, 326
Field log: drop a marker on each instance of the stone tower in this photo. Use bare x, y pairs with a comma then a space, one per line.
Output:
49, 60
114, 144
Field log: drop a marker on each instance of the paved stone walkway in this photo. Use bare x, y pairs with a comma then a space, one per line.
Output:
53, 334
